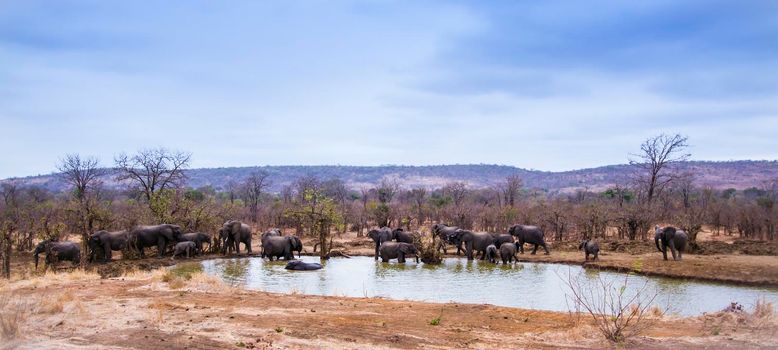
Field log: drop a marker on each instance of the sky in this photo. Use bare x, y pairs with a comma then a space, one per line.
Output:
548, 85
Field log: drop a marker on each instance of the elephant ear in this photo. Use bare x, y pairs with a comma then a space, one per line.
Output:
669, 231
235, 227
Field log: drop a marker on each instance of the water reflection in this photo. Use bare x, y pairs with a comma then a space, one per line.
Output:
526, 285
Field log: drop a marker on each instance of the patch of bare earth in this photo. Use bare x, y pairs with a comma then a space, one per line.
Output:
142, 311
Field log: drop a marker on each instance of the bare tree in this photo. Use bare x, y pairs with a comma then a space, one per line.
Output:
386, 190
84, 175
10, 221
511, 188
81, 173
151, 171
253, 187
657, 154
419, 195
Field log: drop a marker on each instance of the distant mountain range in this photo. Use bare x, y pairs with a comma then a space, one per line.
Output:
732, 174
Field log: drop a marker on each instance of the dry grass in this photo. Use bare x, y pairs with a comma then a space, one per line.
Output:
56, 304
13, 311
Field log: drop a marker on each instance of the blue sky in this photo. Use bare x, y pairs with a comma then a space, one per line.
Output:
550, 85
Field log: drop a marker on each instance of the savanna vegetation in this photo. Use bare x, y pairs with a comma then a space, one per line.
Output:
156, 191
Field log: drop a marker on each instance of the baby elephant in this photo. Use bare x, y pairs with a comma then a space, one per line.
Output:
299, 265
508, 252
590, 248
187, 247
491, 253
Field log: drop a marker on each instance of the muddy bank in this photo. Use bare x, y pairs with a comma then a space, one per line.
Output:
152, 311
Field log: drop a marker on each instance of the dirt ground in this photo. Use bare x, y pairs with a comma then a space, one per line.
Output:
134, 304
149, 310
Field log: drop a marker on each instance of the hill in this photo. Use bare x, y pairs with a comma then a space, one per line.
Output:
731, 174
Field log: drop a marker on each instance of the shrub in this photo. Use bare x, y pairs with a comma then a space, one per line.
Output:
617, 314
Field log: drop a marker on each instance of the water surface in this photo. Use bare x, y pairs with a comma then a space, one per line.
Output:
524, 285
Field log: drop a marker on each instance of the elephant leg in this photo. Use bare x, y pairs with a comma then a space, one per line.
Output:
672, 249
469, 251
160, 247
248, 247
664, 252
376, 250
545, 248
535, 250
107, 253
401, 258
142, 254
521, 247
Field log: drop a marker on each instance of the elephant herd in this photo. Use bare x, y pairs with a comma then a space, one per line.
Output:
491, 245
102, 244
398, 244
389, 244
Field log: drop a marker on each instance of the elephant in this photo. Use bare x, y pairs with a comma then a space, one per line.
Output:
500, 238
398, 250
508, 252
273, 232
474, 241
403, 236
590, 247
379, 236
299, 265
672, 237
56, 252
157, 235
528, 234
197, 237
108, 242
187, 247
232, 234
491, 253
447, 235
277, 247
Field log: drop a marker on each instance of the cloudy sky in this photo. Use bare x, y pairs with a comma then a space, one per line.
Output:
538, 84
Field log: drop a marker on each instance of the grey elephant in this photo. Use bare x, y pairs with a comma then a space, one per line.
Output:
57, 251
500, 238
474, 241
528, 234
590, 247
281, 247
398, 250
159, 236
447, 235
107, 242
299, 265
232, 234
379, 236
199, 238
187, 247
508, 252
273, 232
491, 253
671, 237
403, 236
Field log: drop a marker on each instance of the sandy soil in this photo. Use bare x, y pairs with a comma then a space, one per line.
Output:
132, 304
142, 311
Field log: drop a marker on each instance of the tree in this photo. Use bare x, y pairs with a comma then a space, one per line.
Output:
153, 171
419, 195
9, 222
511, 188
83, 174
253, 186
657, 154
